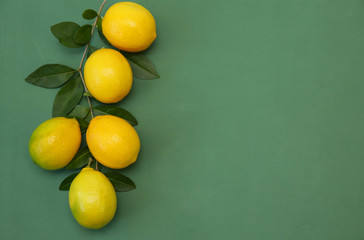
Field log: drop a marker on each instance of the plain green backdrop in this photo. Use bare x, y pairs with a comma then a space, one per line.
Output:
255, 129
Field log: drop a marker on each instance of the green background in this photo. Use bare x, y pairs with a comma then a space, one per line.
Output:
255, 129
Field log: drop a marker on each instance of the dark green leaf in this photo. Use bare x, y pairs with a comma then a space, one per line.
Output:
81, 159
83, 35
79, 111
142, 67
120, 182
83, 124
51, 75
66, 183
91, 50
88, 117
99, 30
65, 32
116, 111
68, 97
89, 14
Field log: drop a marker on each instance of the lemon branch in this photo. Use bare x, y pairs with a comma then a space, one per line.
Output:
81, 75
83, 59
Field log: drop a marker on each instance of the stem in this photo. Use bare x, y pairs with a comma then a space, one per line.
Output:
80, 70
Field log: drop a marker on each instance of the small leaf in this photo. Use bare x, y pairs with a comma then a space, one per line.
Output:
87, 94
142, 67
120, 182
79, 111
83, 35
81, 159
116, 111
89, 14
51, 75
66, 183
65, 32
91, 50
68, 97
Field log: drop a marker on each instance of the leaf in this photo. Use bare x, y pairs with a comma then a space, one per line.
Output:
79, 111
51, 75
91, 50
89, 14
99, 30
66, 183
68, 97
120, 182
87, 94
83, 124
65, 32
116, 111
83, 35
141, 66
81, 159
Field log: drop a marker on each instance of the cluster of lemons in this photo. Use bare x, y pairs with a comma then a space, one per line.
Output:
112, 140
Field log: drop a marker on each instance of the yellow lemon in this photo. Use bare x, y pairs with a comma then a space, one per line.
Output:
55, 142
92, 199
112, 141
108, 75
129, 26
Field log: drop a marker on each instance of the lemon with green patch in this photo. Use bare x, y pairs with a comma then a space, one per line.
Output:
55, 142
92, 199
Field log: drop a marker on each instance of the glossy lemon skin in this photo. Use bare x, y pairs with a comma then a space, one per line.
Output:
92, 199
129, 26
55, 142
108, 75
113, 141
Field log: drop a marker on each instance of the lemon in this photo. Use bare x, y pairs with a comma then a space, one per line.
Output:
129, 26
55, 142
108, 75
92, 199
112, 141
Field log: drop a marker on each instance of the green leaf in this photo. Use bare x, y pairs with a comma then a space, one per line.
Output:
141, 66
87, 94
116, 111
89, 14
79, 111
83, 124
66, 183
120, 182
99, 30
81, 159
51, 75
65, 32
91, 50
83, 35
68, 97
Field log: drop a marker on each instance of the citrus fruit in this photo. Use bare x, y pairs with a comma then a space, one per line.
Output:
112, 141
129, 26
92, 199
108, 75
55, 142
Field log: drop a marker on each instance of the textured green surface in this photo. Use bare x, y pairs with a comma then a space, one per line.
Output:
255, 129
